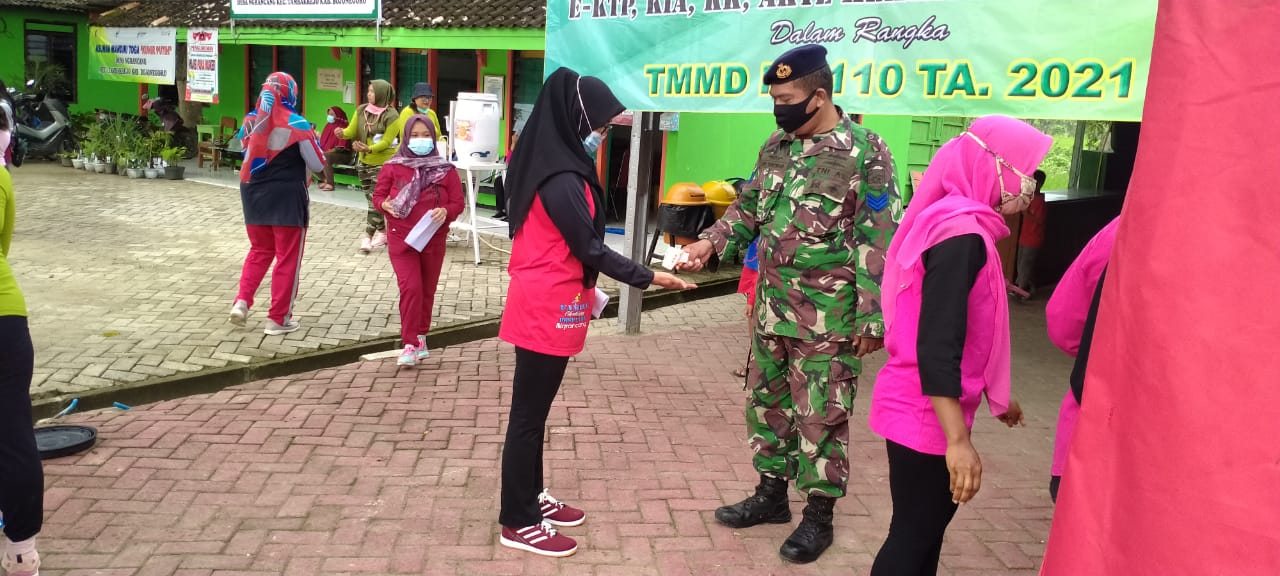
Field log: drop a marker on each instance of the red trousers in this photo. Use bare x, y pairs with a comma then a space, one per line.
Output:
417, 274
284, 245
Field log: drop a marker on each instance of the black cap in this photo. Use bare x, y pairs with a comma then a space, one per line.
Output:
423, 89
796, 63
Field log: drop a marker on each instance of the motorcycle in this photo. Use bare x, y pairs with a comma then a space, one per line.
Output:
43, 124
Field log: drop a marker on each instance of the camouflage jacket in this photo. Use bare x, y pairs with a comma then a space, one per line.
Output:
825, 210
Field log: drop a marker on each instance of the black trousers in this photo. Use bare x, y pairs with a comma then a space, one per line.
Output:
920, 486
21, 475
537, 382
500, 195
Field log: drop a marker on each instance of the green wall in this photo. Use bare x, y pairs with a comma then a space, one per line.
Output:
496, 65
91, 94
715, 147
719, 146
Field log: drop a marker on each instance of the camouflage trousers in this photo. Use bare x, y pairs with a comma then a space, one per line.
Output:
374, 220
798, 411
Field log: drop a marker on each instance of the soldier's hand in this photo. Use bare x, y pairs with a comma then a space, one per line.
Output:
671, 282
865, 345
699, 254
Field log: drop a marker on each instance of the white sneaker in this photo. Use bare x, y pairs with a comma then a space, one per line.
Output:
366, 245
379, 239
409, 357
23, 565
239, 312
274, 329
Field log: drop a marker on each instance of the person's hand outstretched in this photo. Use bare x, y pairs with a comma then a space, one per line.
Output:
671, 282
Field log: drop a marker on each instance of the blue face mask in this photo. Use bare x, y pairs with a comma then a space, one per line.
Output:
330, 118
592, 143
421, 146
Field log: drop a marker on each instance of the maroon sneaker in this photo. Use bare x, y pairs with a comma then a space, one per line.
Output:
540, 539
558, 513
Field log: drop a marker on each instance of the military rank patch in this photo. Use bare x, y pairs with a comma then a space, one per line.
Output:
877, 202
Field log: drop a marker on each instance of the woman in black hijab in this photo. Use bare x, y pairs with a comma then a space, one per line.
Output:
555, 210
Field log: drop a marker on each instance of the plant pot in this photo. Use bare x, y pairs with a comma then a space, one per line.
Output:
67, 162
152, 173
174, 172
77, 163
100, 167
134, 173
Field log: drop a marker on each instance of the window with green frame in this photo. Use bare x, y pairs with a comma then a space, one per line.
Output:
528, 79
261, 62
375, 64
411, 68
290, 60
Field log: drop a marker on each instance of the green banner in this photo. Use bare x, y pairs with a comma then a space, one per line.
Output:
1086, 59
139, 55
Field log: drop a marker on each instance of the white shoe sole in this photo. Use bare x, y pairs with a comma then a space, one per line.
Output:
238, 318
580, 522
527, 548
281, 331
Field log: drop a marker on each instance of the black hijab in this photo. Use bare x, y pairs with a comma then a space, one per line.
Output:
569, 107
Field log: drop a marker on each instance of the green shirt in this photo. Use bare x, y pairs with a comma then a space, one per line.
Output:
364, 129
11, 302
825, 210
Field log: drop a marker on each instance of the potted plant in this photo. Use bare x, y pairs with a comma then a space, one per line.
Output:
172, 155
78, 161
156, 142
134, 171
66, 158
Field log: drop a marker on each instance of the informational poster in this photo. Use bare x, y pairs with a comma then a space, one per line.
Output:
329, 79
495, 85
1087, 59
138, 55
305, 9
202, 65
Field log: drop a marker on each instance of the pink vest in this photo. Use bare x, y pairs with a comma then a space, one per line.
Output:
548, 309
899, 409
1065, 317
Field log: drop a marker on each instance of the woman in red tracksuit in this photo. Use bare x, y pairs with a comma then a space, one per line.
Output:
417, 183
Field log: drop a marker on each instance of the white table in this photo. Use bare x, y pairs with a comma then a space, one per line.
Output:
472, 173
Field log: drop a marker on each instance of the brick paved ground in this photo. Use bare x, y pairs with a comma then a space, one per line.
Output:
130, 280
366, 470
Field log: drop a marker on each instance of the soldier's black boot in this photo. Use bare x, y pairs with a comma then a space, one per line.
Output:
768, 505
814, 534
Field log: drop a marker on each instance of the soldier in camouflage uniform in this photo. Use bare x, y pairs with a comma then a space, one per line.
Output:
825, 205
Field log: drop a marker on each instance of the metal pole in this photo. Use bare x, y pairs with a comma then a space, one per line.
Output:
635, 225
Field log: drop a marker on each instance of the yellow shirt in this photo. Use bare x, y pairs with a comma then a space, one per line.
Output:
380, 151
408, 112
11, 301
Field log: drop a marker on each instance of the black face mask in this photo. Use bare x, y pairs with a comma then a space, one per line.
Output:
791, 117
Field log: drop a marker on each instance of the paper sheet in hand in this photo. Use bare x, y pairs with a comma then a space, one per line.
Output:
674, 258
602, 300
422, 232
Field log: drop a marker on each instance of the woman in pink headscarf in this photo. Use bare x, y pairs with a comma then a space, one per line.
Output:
1066, 315
947, 320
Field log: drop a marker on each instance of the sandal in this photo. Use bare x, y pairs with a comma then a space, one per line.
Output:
326, 187
740, 372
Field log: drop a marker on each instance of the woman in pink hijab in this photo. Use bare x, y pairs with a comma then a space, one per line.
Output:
947, 321
1066, 315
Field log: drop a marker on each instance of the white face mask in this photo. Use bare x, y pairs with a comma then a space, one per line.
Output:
422, 146
330, 118
1009, 203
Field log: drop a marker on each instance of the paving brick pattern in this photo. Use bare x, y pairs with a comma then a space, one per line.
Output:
131, 280
368, 470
